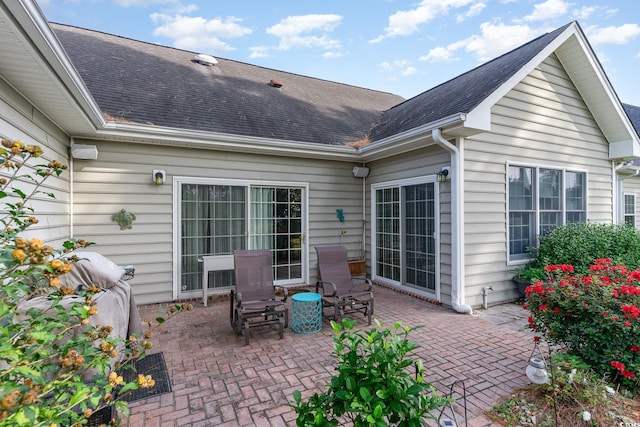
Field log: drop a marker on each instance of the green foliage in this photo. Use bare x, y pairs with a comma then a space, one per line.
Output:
377, 384
44, 352
575, 389
596, 316
579, 244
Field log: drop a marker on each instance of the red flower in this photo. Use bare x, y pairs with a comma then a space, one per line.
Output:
619, 366
537, 339
630, 311
627, 374
627, 323
543, 308
604, 261
635, 348
556, 310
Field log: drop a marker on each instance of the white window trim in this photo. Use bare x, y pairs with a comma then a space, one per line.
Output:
539, 166
372, 238
635, 210
177, 185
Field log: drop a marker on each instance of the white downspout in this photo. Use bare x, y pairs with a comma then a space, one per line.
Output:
71, 190
457, 221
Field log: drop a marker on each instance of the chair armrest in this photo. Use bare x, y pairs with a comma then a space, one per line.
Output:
364, 281
321, 284
238, 298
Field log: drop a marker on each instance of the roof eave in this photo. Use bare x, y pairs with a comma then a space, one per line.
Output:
418, 137
64, 100
157, 135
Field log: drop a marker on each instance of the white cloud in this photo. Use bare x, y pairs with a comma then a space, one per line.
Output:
475, 10
333, 55
439, 54
622, 34
409, 71
584, 12
494, 40
548, 10
499, 38
259, 52
407, 22
294, 31
198, 33
402, 67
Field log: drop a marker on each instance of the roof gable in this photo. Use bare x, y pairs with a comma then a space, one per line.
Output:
142, 83
461, 94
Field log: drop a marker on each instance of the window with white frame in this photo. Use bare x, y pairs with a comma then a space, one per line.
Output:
630, 209
541, 199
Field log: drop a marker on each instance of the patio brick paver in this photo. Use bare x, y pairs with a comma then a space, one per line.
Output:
217, 381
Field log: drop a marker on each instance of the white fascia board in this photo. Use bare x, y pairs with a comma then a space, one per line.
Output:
157, 135
409, 140
35, 26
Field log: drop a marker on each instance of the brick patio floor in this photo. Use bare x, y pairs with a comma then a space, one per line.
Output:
218, 381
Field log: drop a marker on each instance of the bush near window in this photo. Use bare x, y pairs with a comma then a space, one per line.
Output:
377, 384
44, 352
595, 316
578, 244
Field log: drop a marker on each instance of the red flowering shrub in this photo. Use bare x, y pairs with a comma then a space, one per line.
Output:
595, 316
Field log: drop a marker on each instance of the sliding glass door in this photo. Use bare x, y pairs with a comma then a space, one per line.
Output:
215, 220
405, 235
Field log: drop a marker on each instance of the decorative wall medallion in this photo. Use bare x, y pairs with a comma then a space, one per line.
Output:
124, 219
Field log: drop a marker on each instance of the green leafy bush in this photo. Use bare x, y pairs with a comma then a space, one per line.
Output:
596, 316
44, 352
378, 383
579, 244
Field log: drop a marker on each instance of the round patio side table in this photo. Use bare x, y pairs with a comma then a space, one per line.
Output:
306, 313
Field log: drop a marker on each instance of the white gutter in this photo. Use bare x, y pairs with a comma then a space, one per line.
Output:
457, 221
397, 143
160, 135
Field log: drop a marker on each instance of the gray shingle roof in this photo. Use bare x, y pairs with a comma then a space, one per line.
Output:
150, 84
634, 115
461, 94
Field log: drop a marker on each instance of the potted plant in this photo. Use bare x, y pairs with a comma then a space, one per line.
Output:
526, 275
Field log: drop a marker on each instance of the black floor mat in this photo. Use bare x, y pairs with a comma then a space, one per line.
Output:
154, 365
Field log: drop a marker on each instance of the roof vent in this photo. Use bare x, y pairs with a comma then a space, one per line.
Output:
203, 59
275, 83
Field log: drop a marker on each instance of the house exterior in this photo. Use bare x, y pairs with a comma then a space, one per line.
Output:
212, 155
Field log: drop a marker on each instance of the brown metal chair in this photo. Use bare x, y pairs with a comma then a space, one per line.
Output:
254, 302
339, 290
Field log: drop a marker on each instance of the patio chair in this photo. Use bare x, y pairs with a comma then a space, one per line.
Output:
345, 294
254, 301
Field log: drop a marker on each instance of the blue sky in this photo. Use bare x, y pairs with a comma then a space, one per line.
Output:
398, 46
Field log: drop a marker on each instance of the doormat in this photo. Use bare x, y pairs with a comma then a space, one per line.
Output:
151, 364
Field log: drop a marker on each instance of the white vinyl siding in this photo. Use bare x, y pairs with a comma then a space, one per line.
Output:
542, 121
20, 120
121, 178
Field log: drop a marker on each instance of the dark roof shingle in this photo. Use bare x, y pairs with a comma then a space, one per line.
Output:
460, 94
150, 84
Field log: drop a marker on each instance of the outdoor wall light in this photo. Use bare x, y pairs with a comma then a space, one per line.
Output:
159, 176
443, 174
84, 151
360, 171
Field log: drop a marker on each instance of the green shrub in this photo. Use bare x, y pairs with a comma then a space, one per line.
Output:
595, 316
44, 352
378, 384
579, 244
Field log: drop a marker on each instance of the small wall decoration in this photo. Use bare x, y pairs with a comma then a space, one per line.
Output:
340, 215
124, 219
